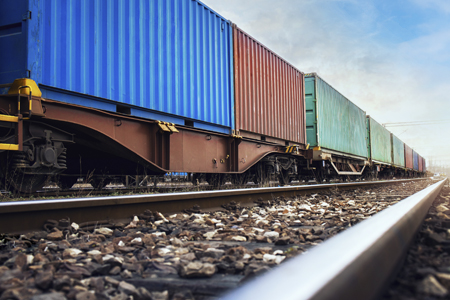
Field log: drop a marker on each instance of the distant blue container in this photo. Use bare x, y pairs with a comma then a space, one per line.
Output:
169, 60
415, 160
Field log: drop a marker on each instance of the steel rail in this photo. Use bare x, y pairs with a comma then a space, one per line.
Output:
356, 264
21, 216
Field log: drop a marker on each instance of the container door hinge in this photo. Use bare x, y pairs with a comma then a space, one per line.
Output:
28, 73
26, 16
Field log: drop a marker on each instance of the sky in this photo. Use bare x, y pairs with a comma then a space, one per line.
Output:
391, 58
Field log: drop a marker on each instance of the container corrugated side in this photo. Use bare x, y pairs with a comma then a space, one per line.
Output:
269, 92
169, 57
420, 163
379, 141
332, 121
398, 151
424, 165
416, 160
408, 157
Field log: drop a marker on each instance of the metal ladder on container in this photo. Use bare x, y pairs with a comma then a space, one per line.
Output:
18, 121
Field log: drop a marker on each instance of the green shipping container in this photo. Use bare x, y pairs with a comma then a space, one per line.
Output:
398, 151
332, 121
379, 146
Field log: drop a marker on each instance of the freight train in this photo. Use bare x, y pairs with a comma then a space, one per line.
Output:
103, 89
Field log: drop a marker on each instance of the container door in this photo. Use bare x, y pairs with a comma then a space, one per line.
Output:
311, 111
14, 16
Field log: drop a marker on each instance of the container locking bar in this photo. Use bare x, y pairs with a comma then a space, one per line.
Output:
167, 127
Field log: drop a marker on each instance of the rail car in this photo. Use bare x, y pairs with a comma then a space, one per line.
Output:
152, 87
44, 137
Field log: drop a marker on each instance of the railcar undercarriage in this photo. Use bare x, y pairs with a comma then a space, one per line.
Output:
44, 139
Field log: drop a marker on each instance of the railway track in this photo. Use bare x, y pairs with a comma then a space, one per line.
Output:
198, 254
425, 273
80, 190
23, 216
84, 189
356, 264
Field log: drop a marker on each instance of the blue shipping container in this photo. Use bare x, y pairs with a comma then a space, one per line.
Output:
169, 60
416, 160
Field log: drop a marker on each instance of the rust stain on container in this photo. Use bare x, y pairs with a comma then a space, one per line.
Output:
269, 92
408, 157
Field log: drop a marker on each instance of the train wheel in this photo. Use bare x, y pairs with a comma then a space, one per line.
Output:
16, 181
27, 183
196, 178
318, 176
284, 177
66, 182
375, 174
99, 183
261, 177
240, 179
215, 180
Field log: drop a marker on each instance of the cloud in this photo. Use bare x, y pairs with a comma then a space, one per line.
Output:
433, 47
439, 5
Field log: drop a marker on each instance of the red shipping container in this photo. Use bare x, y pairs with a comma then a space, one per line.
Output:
420, 163
269, 93
409, 164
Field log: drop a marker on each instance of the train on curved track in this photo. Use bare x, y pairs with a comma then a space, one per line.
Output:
104, 89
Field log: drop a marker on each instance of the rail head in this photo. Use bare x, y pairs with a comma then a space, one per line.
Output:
33, 214
356, 264
55, 204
